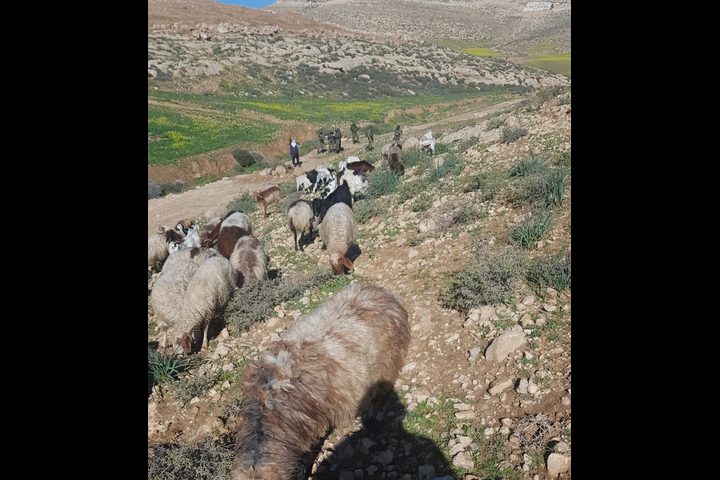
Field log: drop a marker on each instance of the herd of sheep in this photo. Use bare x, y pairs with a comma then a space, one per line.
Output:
328, 366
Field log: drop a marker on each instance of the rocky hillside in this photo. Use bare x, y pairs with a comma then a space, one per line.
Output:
509, 25
475, 241
242, 52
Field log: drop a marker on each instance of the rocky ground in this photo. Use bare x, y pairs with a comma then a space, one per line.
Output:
235, 55
510, 26
484, 393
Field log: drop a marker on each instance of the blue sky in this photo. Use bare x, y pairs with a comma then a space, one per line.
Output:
247, 3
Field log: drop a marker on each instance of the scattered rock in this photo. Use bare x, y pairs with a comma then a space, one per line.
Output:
499, 386
463, 460
529, 300
474, 354
465, 415
522, 386
557, 464
505, 344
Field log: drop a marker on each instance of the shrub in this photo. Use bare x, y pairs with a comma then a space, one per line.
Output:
413, 188
255, 302
509, 135
555, 187
209, 460
243, 157
452, 165
381, 182
487, 182
154, 190
526, 168
177, 186
244, 203
364, 210
165, 368
194, 385
526, 234
487, 279
422, 203
553, 271
419, 158
494, 123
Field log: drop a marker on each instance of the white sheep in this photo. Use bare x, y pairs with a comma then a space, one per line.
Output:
168, 293
248, 260
338, 232
208, 291
158, 246
300, 219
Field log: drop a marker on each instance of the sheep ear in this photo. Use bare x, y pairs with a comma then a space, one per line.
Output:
186, 344
348, 263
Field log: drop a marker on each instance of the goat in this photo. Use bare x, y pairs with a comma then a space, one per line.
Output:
267, 197
340, 195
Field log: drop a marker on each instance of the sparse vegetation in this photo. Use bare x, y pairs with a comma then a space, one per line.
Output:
364, 210
487, 279
553, 271
530, 231
254, 303
165, 368
381, 182
509, 135
452, 165
244, 203
209, 460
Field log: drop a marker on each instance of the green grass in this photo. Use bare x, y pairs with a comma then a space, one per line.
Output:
529, 232
554, 271
480, 51
181, 134
318, 110
244, 203
558, 63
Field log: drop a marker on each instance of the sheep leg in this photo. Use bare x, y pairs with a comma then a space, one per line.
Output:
295, 238
205, 337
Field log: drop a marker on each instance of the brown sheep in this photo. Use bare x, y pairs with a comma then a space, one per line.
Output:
325, 370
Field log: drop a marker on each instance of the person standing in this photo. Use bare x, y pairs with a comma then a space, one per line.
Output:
396, 135
295, 152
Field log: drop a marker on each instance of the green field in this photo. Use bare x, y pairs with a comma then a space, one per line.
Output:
184, 130
559, 63
173, 134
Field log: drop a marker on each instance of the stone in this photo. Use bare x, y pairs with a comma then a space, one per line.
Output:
463, 460
500, 385
557, 464
506, 343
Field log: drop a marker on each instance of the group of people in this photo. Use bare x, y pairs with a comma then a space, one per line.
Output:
333, 137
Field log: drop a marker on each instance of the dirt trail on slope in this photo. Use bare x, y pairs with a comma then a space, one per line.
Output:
193, 203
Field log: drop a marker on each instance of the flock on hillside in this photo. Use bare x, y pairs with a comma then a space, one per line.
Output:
328, 366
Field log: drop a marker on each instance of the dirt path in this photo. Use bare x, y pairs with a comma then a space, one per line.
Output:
193, 203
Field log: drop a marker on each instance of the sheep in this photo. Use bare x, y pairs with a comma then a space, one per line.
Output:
218, 211
267, 197
327, 368
208, 229
228, 238
158, 246
168, 292
249, 261
396, 165
338, 232
340, 195
208, 291
226, 233
300, 219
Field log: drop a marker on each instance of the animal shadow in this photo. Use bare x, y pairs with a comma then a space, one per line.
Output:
383, 444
